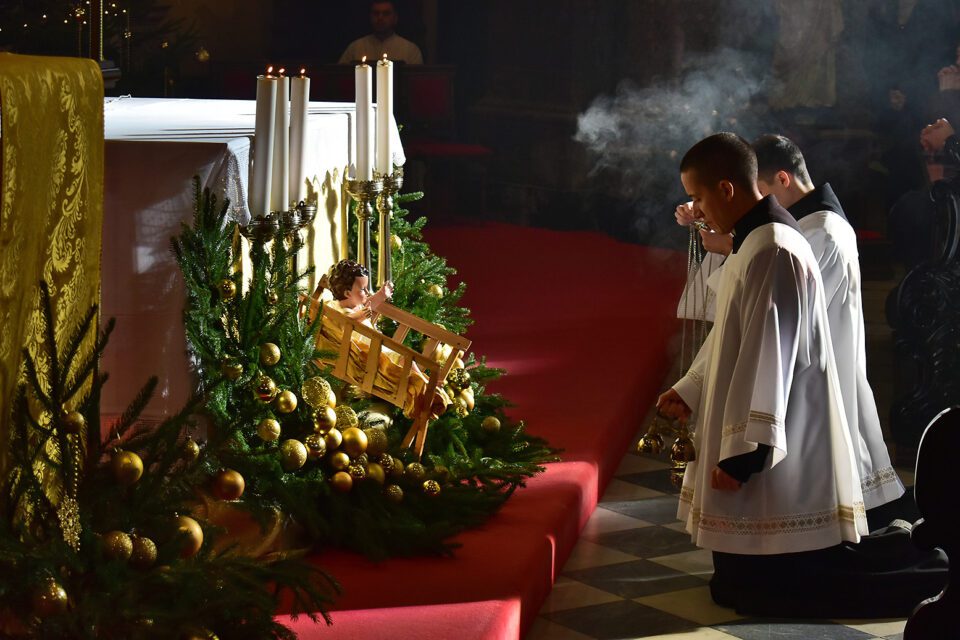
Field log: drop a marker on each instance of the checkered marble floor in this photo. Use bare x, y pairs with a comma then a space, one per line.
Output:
635, 574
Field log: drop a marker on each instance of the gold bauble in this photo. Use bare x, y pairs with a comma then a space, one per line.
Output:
363, 459
441, 473
266, 389
269, 354
293, 455
72, 421
339, 461
227, 289
286, 401
334, 438
460, 407
324, 419
316, 446
458, 363
272, 297
395, 242
144, 552
229, 485
376, 473
435, 290
190, 450
268, 429
354, 441
394, 493
491, 424
397, 470
127, 466
431, 488
117, 545
357, 471
468, 397
459, 379
376, 441
317, 392
231, 369
191, 535
385, 460
415, 472
49, 599
342, 481
346, 417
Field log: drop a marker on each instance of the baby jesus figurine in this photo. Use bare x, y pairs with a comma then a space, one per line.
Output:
348, 281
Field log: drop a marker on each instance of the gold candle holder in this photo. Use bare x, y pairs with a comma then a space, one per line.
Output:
364, 193
391, 185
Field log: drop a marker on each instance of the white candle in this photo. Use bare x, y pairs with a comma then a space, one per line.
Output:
384, 114
280, 190
259, 196
364, 109
299, 102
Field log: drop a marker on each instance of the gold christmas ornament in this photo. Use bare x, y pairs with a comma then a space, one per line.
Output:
415, 471
317, 393
459, 364
190, 450
357, 471
117, 545
144, 552
491, 424
266, 389
127, 466
467, 395
385, 460
49, 599
376, 473
346, 417
459, 379
435, 291
354, 441
394, 493
342, 481
268, 429
72, 421
395, 242
316, 446
324, 419
231, 369
286, 401
228, 485
227, 289
191, 534
376, 441
441, 473
339, 461
273, 298
397, 470
431, 488
333, 438
269, 354
460, 408
293, 455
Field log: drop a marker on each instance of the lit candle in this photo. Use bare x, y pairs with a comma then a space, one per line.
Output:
299, 102
259, 197
384, 113
280, 190
364, 107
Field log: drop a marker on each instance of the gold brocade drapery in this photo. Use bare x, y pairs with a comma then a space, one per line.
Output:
51, 208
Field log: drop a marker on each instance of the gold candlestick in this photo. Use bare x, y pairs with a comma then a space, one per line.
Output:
391, 185
364, 193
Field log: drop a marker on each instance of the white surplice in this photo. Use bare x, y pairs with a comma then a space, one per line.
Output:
834, 244
766, 375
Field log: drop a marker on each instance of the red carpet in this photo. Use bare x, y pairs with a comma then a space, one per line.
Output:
582, 324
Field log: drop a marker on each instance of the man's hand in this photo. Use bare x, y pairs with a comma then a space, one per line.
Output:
723, 481
686, 214
672, 405
713, 242
935, 135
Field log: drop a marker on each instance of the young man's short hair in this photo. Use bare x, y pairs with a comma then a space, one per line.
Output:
722, 156
778, 153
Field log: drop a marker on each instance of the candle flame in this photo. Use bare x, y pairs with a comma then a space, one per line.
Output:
364, 60
303, 72
269, 70
384, 57
282, 71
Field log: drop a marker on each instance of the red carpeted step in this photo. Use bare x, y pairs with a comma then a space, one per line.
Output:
581, 323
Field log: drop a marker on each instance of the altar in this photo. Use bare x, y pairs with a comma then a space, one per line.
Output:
154, 147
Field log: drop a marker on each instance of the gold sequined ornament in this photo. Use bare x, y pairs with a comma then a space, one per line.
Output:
266, 389
460, 407
333, 438
354, 441
491, 424
316, 446
227, 289
72, 421
269, 354
268, 430
191, 536
144, 552
376, 473
357, 471
459, 379
286, 402
231, 369
431, 488
385, 460
324, 419
342, 481
394, 493
339, 461
293, 455
346, 417
190, 450
376, 441
435, 291
228, 485
415, 471
117, 545
127, 466
317, 392
49, 599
